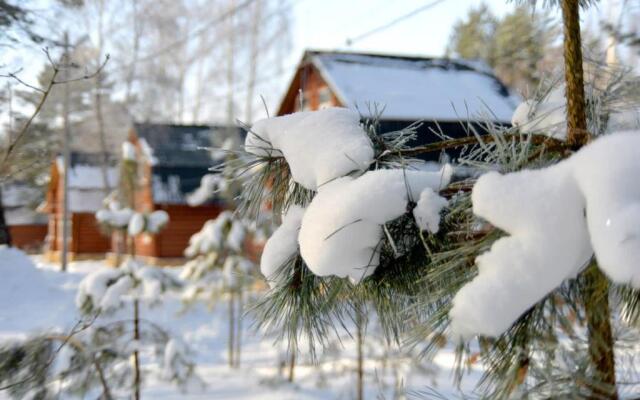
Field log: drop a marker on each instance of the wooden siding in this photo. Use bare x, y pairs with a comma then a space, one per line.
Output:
86, 235
309, 80
184, 221
28, 237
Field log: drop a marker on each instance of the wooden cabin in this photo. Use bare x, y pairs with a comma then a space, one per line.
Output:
27, 227
445, 94
171, 164
87, 190
174, 160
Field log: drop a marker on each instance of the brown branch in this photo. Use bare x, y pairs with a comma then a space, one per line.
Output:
86, 76
465, 141
27, 124
77, 328
80, 346
45, 94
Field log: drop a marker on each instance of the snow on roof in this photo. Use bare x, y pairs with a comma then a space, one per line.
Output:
20, 194
86, 176
414, 88
19, 201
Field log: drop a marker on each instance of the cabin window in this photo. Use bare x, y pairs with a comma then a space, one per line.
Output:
324, 98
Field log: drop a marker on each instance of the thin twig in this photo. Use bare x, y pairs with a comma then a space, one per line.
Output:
14, 75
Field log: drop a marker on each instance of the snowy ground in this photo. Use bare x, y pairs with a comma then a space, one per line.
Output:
39, 299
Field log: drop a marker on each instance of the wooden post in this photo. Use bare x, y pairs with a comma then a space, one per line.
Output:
66, 154
239, 326
595, 293
232, 324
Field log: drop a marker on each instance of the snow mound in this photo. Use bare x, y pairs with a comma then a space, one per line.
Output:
30, 299
550, 240
319, 146
342, 227
282, 245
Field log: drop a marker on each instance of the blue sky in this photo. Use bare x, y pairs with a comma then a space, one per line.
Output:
327, 24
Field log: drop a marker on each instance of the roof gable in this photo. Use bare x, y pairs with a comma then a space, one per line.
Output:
415, 88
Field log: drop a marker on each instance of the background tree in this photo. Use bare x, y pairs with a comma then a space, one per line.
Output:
521, 47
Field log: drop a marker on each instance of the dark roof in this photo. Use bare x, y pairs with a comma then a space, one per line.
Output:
181, 156
180, 145
92, 159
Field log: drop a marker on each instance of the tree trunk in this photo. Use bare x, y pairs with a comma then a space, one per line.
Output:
136, 356
136, 331
577, 134
292, 365
5, 234
360, 322
98, 106
595, 293
596, 300
239, 328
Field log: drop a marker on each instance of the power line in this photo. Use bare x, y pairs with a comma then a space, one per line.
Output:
381, 28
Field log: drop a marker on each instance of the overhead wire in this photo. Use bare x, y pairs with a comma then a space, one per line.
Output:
393, 22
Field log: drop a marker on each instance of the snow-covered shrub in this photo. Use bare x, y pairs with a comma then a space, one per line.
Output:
218, 257
114, 217
108, 289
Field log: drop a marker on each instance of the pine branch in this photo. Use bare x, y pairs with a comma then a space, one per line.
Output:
546, 141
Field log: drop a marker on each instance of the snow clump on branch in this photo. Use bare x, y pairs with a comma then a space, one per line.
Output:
550, 239
342, 229
282, 245
319, 146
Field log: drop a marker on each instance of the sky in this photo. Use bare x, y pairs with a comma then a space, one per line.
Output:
328, 24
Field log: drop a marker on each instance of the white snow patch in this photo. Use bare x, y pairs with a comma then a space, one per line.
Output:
29, 299
94, 287
319, 146
156, 221
210, 184
282, 245
147, 151
136, 224
128, 151
546, 117
427, 210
